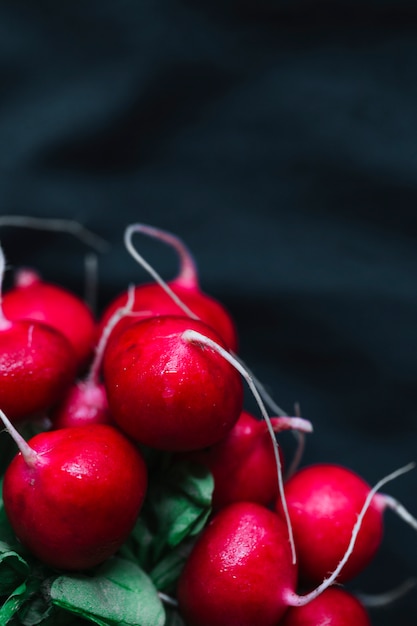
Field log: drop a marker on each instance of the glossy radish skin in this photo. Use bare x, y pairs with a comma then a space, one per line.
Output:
77, 503
334, 607
151, 300
243, 464
37, 366
84, 403
167, 393
323, 502
34, 299
239, 571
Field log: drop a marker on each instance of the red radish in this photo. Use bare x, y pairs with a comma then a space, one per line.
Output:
243, 462
240, 570
72, 496
86, 400
323, 501
34, 299
334, 607
181, 296
85, 403
37, 364
166, 393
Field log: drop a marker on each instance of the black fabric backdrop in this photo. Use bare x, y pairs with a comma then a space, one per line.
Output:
279, 140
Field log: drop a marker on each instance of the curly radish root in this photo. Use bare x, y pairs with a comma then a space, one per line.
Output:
191, 336
181, 296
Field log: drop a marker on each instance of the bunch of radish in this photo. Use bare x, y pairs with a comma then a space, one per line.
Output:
138, 489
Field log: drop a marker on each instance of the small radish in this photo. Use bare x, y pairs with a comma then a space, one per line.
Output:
243, 462
34, 299
86, 400
240, 570
323, 502
167, 393
85, 403
334, 607
181, 296
72, 496
37, 364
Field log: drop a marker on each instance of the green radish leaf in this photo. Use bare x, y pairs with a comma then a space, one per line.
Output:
118, 594
39, 612
193, 480
13, 603
139, 545
13, 569
165, 574
178, 504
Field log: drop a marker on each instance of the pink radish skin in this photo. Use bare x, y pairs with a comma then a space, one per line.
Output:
152, 299
72, 496
34, 299
167, 393
323, 502
243, 462
334, 607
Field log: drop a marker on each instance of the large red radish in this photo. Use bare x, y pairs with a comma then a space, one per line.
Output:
180, 296
323, 501
167, 393
73, 495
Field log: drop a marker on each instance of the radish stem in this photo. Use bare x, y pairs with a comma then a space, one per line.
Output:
193, 336
139, 258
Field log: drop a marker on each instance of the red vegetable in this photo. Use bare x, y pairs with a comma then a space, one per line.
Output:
167, 393
334, 607
243, 463
323, 502
34, 299
73, 495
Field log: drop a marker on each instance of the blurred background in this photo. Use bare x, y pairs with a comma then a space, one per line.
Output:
279, 141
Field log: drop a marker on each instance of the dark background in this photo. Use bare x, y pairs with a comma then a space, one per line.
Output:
279, 140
